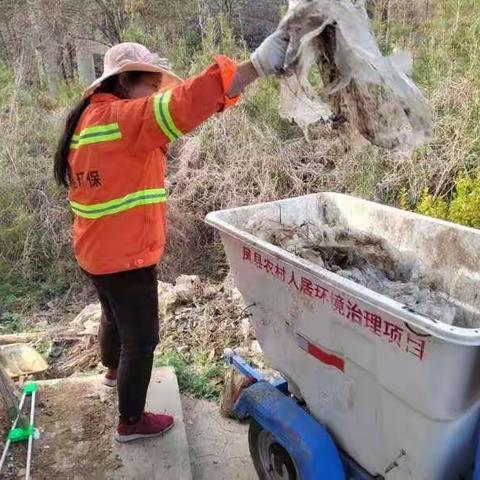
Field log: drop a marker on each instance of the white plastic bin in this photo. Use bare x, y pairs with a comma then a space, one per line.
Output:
398, 391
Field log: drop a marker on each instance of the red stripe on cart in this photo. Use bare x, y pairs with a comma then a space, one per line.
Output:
325, 357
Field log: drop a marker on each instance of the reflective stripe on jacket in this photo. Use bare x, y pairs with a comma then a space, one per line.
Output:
117, 168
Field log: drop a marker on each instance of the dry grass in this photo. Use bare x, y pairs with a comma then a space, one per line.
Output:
35, 232
245, 156
209, 324
249, 155
233, 161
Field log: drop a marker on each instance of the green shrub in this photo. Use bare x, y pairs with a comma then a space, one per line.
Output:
462, 208
432, 206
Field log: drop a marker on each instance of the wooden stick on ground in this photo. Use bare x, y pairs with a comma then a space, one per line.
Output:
34, 336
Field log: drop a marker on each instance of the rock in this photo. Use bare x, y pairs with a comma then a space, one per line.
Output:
90, 327
92, 312
191, 281
186, 287
20, 359
166, 299
184, 293
55, 351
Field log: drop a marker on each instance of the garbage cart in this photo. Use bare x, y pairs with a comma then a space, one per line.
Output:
372, 389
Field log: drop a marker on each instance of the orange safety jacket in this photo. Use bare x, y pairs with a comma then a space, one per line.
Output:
117, 168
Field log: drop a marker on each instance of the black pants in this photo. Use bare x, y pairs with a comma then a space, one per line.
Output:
128, 333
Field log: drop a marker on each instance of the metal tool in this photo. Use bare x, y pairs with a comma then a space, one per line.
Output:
30, 437
19, 434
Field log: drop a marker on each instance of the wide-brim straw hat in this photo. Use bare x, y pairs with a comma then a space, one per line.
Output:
133, 57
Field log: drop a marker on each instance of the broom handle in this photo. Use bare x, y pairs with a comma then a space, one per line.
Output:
30, 438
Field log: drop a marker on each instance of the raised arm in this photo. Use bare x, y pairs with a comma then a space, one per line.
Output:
155, 121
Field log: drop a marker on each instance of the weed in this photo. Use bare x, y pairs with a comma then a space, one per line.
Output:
197, 375
10, 322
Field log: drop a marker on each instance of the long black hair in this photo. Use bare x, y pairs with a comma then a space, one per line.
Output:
110, 85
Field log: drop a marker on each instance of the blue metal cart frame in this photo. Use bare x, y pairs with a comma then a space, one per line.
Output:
307, 441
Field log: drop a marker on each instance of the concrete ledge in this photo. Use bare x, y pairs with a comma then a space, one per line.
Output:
77, 420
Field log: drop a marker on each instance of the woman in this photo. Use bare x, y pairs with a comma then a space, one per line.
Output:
112, 158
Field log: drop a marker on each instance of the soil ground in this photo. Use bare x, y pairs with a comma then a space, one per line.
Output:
76, 435
76, 438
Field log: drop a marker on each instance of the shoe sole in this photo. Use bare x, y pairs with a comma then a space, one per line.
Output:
109, 383
138, 436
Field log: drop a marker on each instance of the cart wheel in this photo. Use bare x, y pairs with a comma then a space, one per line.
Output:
271, 460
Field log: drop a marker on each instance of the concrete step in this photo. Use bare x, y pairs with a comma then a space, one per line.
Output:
77, 419
165, 458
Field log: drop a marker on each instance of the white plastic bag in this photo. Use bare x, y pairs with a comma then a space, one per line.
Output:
395, 116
